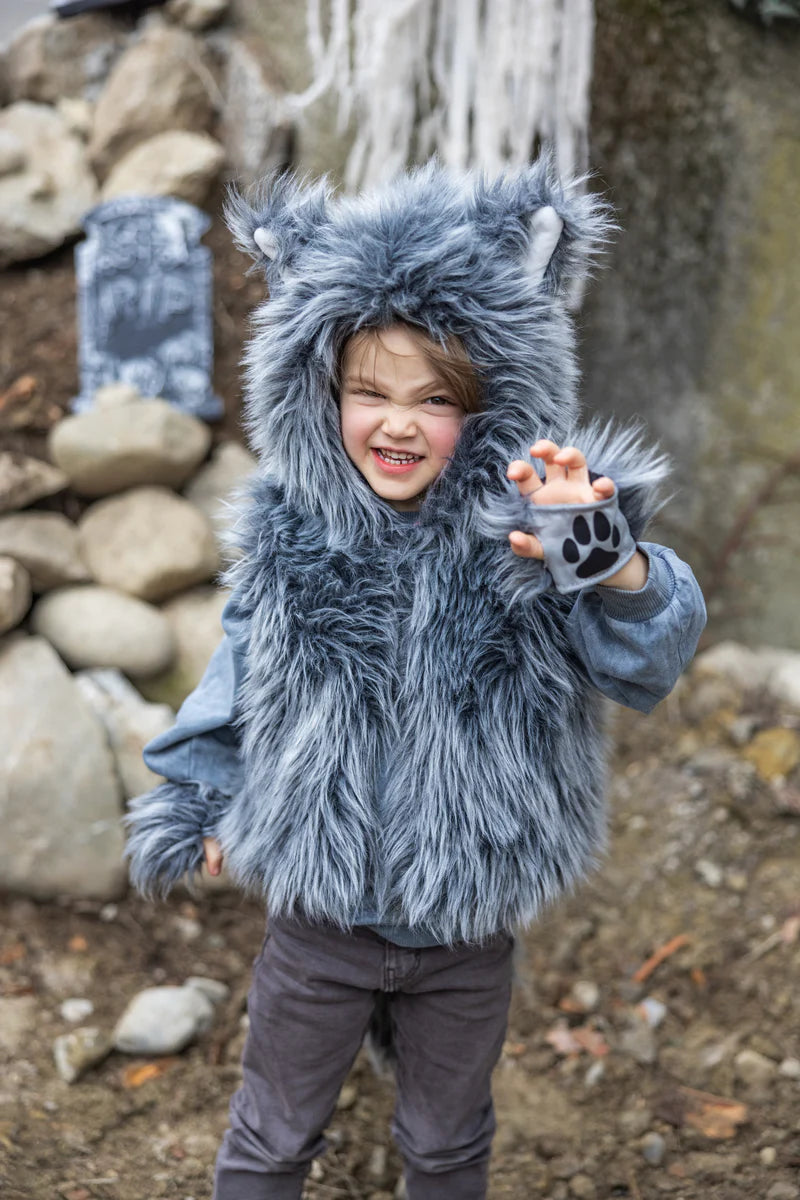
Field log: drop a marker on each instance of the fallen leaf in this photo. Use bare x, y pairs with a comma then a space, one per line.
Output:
134, 1077
658, 957
573, 1041
562, 1041
714, 1116
698, 976
790, 929
78, 943
591, 1040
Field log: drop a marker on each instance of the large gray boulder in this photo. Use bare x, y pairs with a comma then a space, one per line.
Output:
60, 799
43, 201
109, 449
159, 83
100, 627
148, 542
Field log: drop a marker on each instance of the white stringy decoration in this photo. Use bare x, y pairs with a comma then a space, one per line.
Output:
478, 82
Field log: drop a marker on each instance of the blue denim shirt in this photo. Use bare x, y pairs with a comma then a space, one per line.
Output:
633, 645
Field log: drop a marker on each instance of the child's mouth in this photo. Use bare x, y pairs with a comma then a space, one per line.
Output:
395, 464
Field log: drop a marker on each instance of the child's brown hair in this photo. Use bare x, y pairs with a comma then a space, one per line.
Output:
450, 363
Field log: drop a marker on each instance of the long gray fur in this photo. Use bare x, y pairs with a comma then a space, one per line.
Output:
434, 649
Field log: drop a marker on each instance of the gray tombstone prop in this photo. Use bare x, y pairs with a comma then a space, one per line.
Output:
144, 303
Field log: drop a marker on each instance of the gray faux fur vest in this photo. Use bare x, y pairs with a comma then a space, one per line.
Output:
431, 655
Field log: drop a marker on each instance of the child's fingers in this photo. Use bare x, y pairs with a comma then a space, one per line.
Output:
603, 487
547, 451
525, 476
213, 852
575, 462
526, 545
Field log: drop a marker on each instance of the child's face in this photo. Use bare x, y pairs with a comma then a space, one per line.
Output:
392, 399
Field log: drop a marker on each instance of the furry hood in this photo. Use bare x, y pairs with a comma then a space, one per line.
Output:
489, 261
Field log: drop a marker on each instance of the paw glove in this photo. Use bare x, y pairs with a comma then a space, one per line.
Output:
583, 543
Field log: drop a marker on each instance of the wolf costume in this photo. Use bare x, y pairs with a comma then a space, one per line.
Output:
419, 716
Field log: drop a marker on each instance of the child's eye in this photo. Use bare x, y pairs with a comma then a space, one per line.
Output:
366, 392
438, 401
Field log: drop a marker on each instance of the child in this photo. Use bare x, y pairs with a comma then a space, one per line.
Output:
399, 743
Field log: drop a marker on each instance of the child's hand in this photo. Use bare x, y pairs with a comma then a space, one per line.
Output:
213, 855
566, 482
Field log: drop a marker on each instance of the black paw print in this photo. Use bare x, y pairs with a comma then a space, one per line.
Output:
601, 557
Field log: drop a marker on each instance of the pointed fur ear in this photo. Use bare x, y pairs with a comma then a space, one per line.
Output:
279, 219
545, 230
552, 226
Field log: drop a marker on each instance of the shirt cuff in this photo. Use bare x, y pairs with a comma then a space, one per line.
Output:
621, 604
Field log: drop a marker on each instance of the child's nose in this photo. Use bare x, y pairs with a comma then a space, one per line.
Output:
398, 422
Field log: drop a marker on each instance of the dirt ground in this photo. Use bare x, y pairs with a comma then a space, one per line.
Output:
703, 850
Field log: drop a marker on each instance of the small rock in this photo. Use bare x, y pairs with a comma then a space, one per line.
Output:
129, 721
651, 1011
213, 989
148, 542
194, 617
774, 752
77, 114
101, 627
768, 1156
595, 1073
115, 395
737, 881
347, 1097
18, 1020
157, 84
76, 1052
586, 995
46, 545
709, 872
377, 1164
317, 1171
633, 1122
653, 1148
121, 445
76, 1008
639, 1041
109, 912
790, 1067
15, 593
176, 163
754, 1069
162, 1020
197, 15
582, 1186
189, 929
783, 1191
12, 152
42, 204
24, 479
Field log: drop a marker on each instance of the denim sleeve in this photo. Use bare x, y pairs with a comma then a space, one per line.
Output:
203, 744
634, 645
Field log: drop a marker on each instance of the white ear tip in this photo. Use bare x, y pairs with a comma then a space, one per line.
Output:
547, 220
545, 227
265, 242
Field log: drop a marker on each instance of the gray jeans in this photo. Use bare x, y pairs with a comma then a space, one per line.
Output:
312, 996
